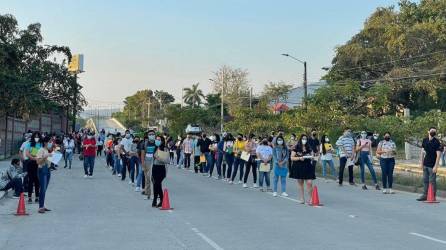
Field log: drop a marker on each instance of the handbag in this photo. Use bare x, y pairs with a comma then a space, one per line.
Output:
245, 156
162, 156
264, 167
202, 159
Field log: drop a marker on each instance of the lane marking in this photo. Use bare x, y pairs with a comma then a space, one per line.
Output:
428, 238
208, 240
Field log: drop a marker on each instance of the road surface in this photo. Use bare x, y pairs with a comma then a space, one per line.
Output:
105, 213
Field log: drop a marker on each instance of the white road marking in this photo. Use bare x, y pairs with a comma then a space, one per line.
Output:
205, 238
428, 238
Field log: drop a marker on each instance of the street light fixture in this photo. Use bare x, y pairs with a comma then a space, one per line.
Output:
305, 76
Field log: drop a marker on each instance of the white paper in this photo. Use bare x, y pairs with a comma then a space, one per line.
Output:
55, 159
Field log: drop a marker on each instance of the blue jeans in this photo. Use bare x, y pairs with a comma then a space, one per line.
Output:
365, 160
219, 162
44, 179
238, 162
229, 160
276, 180
332, 168
139, 177
89, 165
264, 175
134, 164
117, 164
387, 166
68, 158
209, 162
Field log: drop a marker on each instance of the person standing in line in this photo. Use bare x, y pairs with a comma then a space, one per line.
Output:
100, 146
314, 144
25, 159
134, 160
228, 147
302, 168
204, 142
327, 156
109, 151
147, 157
251, 148
158, 172
117, 160
126, 143
291, 144
31, 152
264, 154
220, 157
178, 147
386, 152
280, 168
364, 148
44, 172
89, 149
188, 150
197, 154
69, 150
215, 139
346, 145
239, 163
429, 161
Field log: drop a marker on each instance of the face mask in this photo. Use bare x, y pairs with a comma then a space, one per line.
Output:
363, 136
265, 143
90, 137
28, 139
433, 133
239, 138
293, 138
387, 138
127, 136
151, 137
49, 145
36, 139
304, 142
327, 140
314, 134
157, 143
212, 138
279, 142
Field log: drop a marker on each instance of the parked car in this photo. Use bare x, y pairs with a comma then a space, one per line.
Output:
193, 129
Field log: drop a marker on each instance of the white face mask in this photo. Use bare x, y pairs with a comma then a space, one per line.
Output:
327, 140
279, 142
304, 142
36, 139
90, 137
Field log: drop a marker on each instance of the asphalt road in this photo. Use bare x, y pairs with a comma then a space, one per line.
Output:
105, 213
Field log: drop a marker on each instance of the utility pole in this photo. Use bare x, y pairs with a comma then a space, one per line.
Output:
305, 85
222, 108
148, 113
250, 98
73, 125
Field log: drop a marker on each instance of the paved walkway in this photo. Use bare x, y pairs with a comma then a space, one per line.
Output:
105, 213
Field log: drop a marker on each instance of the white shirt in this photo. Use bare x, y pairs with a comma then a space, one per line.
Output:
127, 144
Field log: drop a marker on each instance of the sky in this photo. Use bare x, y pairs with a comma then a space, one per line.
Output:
171, 44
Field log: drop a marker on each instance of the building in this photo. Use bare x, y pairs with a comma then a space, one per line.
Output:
296, 95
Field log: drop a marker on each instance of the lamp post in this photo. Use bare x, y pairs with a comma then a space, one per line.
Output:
305, 76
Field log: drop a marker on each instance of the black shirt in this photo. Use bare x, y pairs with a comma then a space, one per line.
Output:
314, 144
431, 147
204, 145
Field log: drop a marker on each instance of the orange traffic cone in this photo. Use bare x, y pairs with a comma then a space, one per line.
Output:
315, 198
166, 203
21, 210
431, 195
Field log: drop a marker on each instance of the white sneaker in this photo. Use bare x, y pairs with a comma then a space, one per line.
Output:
275, 194
119, 175
239, 182
244, 185
137, 189
130, 182
255, 185
390, 191
284, 194
230, 182
385, 191
90, 176
85, 176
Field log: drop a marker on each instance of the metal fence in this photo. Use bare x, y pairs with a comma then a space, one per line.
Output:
12, 130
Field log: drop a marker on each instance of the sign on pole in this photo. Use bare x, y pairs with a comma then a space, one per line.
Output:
76, 64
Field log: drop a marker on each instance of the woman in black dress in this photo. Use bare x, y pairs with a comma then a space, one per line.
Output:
159, 171
301, 167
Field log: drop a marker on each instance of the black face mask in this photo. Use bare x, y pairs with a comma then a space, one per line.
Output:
265, 143
387, 138
433, 133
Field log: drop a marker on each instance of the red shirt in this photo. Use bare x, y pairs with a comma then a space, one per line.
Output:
90, 151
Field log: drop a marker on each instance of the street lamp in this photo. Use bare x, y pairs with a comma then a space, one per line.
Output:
222, 109
305, 76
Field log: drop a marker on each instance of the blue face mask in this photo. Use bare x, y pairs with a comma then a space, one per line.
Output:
157, 143
50, 145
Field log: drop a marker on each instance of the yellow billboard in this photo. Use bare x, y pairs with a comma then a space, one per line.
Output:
76, 64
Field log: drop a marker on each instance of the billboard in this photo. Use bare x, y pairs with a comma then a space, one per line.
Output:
76, 64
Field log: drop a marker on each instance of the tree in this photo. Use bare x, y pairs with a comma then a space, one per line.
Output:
164, 98
277, 92
234, 83
193, 96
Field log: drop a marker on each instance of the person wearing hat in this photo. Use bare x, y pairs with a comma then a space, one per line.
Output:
89, 150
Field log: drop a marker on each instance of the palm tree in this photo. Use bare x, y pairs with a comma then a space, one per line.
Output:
193, 96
